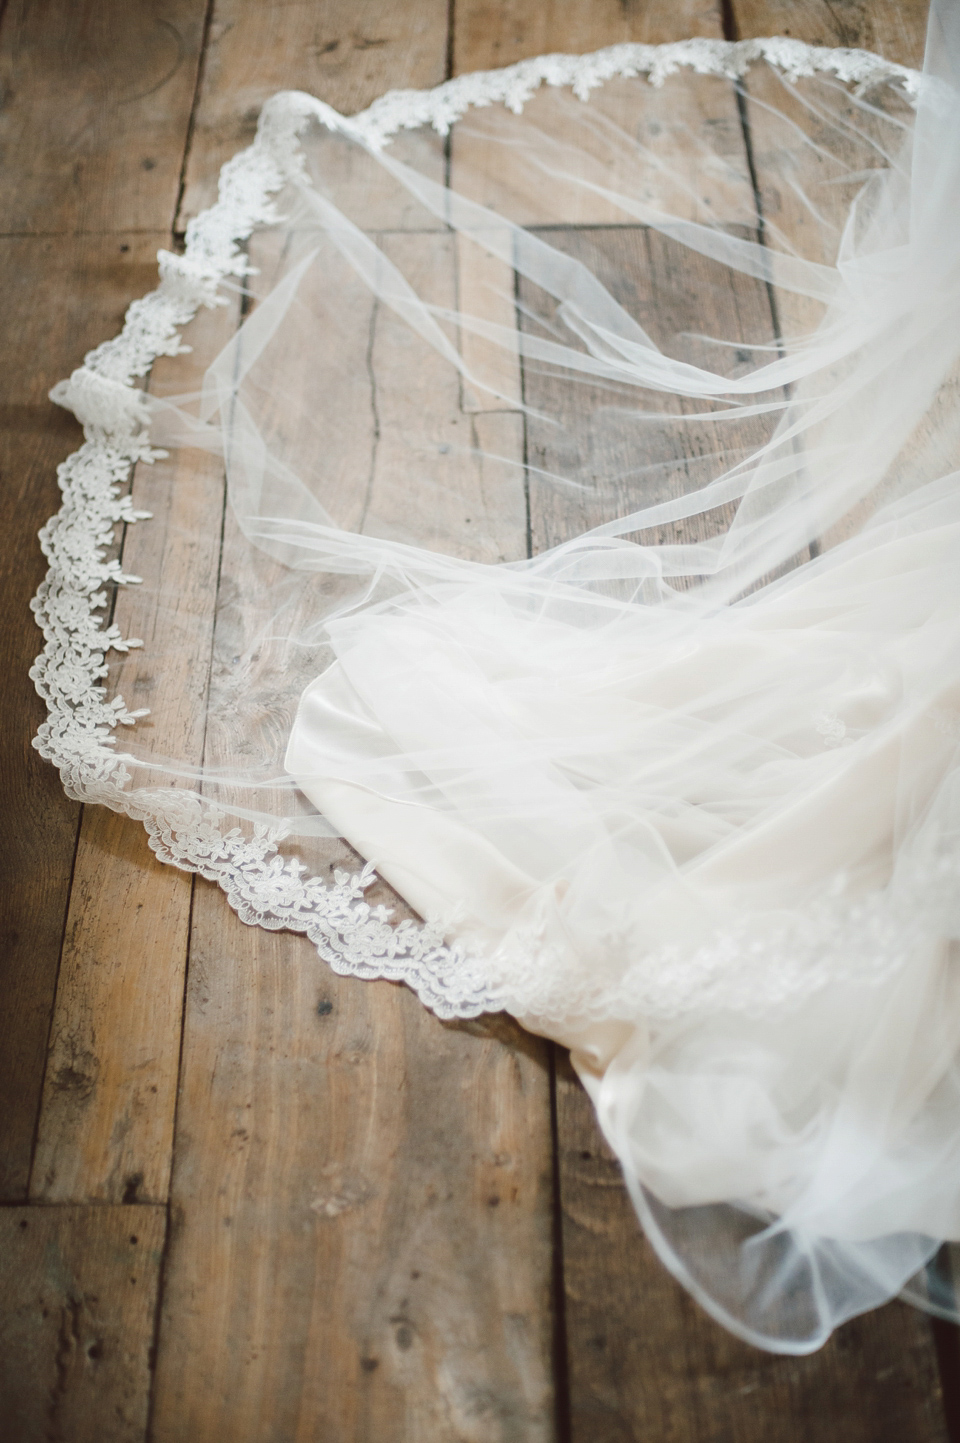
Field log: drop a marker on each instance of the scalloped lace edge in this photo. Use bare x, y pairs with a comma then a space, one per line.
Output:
266, 890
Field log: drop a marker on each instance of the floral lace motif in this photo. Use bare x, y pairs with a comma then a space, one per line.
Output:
79, 733
830, 727
759, 968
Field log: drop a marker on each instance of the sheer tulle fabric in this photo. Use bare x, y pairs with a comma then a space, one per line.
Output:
591, 568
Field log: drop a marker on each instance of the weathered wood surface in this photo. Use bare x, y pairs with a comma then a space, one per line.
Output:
364, 1202
631, 464
491, 33
66, 295
646, 1363
346, 51
362, 1194
96, 109
643, 1361
894, 28
78, 1292
89, 58
361, 1202
106, 1122
814, 229
96, 105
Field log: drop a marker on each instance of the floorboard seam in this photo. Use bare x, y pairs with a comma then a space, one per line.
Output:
196, 881
192, 118
560, 1346
53, 1003
168, 1207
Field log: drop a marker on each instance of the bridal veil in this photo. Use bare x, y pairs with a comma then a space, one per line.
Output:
590, 433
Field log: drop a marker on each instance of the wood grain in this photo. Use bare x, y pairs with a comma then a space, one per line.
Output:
95, 111
345, 51
490, 33
78, 1291
97, 99
106, 1123
485, 286
893, 28
362, 1219
68, 295
648, 1366
621, 463
363, 1244
644, 1362
361, 1194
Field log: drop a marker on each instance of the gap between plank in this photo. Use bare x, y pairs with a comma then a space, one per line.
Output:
731, 31
191, 120
561, 1372
35, 1136
946, 1342
451, 52
154, 1353
28, 1199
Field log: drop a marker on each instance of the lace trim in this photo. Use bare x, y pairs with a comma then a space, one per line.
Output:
516, 84
79, 733
760, 968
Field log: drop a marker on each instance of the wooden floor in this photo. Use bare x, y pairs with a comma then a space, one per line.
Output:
245, 1200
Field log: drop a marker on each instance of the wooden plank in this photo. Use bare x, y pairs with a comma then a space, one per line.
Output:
670, 292
39, 835
69, 295
499, 35
485, 286
363, 1193
893, 28
647, 1364
106, 1122
78, 1291
97, 105
391, 1376
490, 33
114, 164
455, 488
348, 52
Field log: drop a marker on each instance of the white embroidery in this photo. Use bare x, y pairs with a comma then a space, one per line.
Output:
515, 85
266, 890
758, 968
830, 727
947, 721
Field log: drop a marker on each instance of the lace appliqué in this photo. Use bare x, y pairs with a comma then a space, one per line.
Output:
947, 721
79, 734
830, 727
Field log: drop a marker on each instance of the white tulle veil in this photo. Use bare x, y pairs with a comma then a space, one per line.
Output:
589, 564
